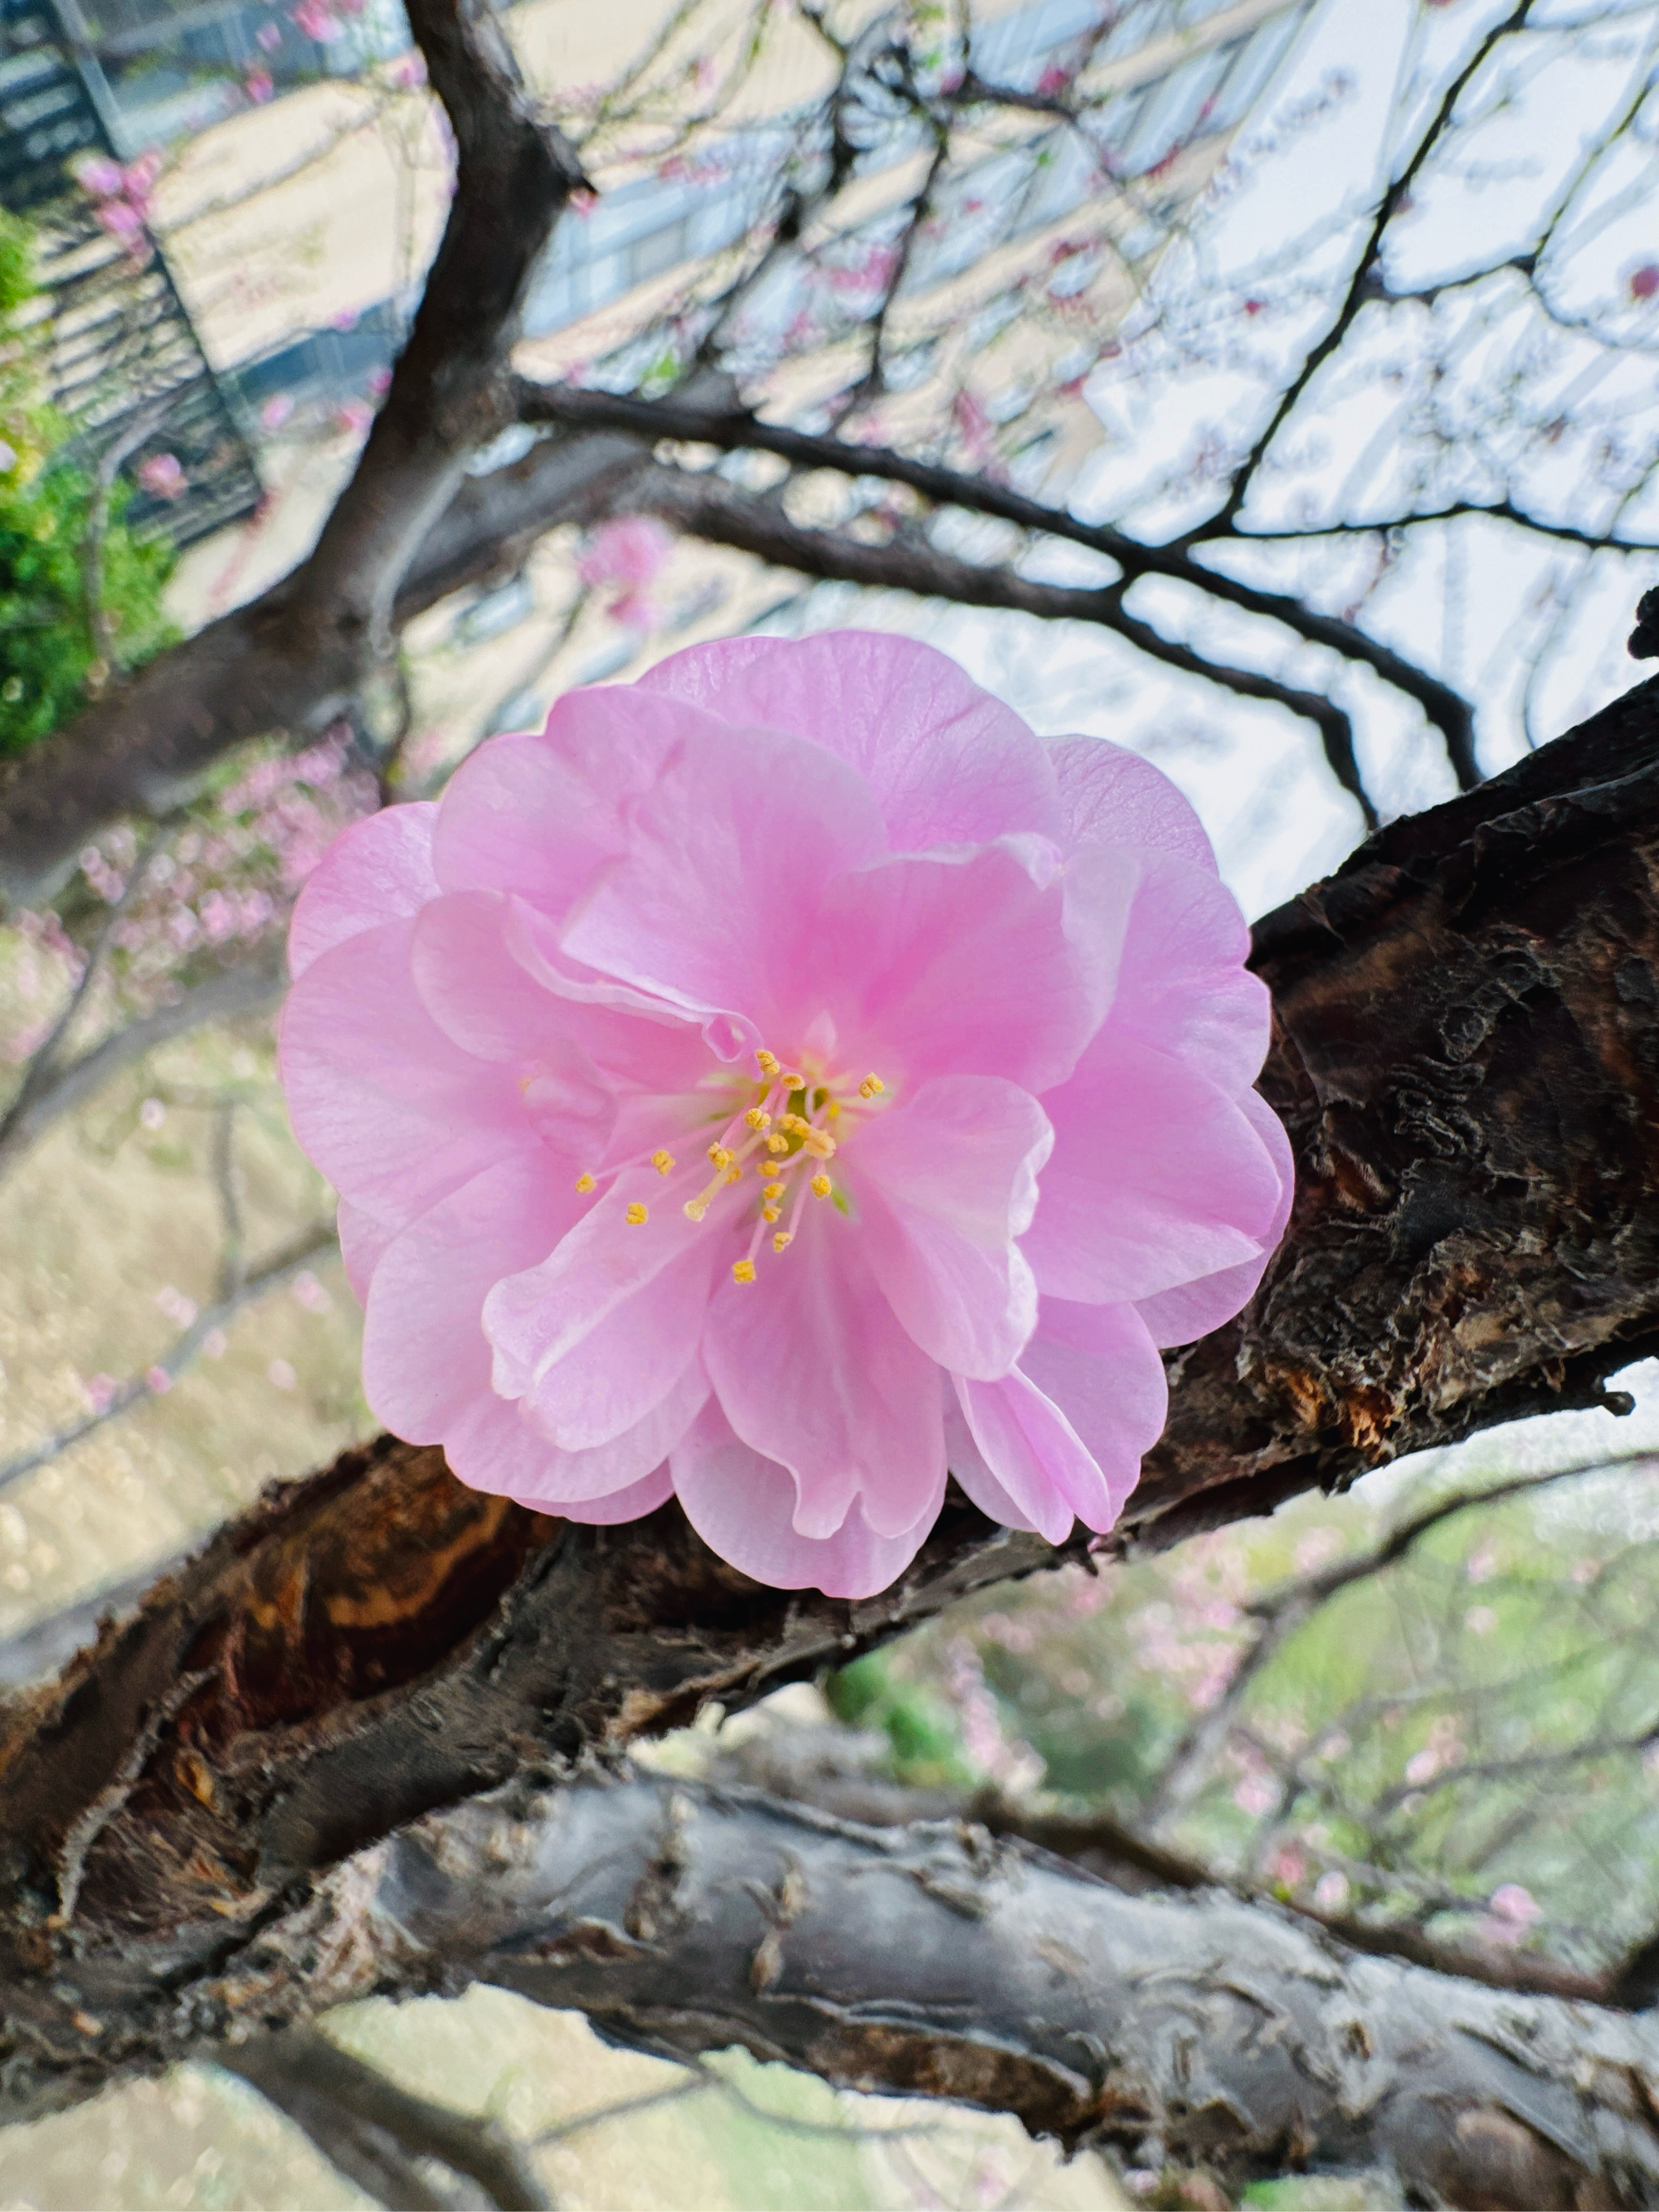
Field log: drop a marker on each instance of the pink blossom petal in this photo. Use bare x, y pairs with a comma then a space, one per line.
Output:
1026, 1446
814, 1370
541, 815
945, 1183
948, 763
362, 1241
961, 963
1156, 1177
716, 906
538, 1317
1181, 985
1100, 1366
1111, 796
379, 869
425, 1358
628, 1362
743, 1504
386, 1106
496, 1447
618, 1505
1189, 1311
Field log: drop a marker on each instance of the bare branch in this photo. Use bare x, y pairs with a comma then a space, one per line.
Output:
250, 988
705, 506
172, 1362
679, 419
353, 2113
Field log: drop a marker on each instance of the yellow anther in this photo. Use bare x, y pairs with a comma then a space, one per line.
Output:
719, 1157
791, 1078
872, 1087
795, 1125
695, 1208
584, 1183
781, 1240
777, 1144
742, 1271
820, 1186
734, 1175
819, 1143
636, 1216
772, 1191
832, 1111
757, 1119
662, 1162
770, 1212
766, 1063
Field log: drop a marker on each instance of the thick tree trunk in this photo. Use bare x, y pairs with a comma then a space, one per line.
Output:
1467, 1056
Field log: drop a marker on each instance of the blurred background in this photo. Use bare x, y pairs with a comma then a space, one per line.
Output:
1086, 249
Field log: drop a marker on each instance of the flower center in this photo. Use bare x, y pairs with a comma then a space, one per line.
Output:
783, 1126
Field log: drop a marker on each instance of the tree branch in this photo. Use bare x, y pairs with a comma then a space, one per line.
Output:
937, 1961
296, 655
705, 506
679, 418
352, 2112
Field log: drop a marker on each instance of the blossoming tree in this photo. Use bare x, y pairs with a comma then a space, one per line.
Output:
368, 1740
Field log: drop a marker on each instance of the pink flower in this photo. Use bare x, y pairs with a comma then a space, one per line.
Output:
269, 36
316, 21
354, 417
258, 86
277, 410
629, 552
163, 476
691, 1074
102, 178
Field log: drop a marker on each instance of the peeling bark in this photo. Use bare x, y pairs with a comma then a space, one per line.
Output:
938, 1961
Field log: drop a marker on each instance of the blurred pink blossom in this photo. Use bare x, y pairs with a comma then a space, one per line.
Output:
1331, 1891
277, 410
99, 1391
281, 1374
214, 1344
175, 1305
316, 19
630, 553
163, 477
258, 86
270, 36
408, 72
102, 178
1644, 281
1052, 80
354, 417
158, 1380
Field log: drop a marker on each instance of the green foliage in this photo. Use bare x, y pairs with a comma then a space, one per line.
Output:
927, 1747
47, 650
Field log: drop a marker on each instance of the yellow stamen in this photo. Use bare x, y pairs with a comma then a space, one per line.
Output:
734, 1175
695, 1208
742, 1271
757, 1119
872, 1087
771, 1190
777, 1144
637, 1215
820, 1186
663, 1162
584, 1183
770, 1212
766, 1063
819, 1143
781, 1240
791, 1078
719, 1157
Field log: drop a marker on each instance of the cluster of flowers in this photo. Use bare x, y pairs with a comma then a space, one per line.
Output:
230, 879
121, 198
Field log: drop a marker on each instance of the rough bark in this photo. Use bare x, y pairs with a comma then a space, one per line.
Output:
938, 1961
1467, 1055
